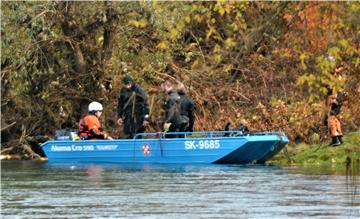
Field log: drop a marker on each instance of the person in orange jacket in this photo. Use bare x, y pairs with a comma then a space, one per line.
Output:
333, 121
90, 127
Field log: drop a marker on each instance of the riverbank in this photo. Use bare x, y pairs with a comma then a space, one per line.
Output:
347, 154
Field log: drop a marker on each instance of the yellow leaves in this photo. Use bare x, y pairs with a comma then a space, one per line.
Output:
344, 43
221, 11
356, 62
196, 64
174, 33
217, 48
217, 58
198, 18
188, 56
101, 39
349, 50
223, 7
187, 19
339, 26
138, 23
210, 32
230, 43
303, 58
335, 53
323, 90
355, 8
162, 45
228, 68
324, 64
304, 78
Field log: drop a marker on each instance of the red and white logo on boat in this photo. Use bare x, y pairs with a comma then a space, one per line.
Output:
146, 149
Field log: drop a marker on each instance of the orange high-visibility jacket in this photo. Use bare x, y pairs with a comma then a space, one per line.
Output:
93, 123
92, 129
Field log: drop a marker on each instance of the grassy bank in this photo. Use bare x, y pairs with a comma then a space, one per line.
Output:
321, 154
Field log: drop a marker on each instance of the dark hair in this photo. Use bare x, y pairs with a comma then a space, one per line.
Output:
128, 80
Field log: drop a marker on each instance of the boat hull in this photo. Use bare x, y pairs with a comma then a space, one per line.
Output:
212, 148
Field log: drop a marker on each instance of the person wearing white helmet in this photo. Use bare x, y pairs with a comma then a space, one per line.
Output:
95, 107
90, 127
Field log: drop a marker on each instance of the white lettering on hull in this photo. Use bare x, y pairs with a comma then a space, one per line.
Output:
84, 148
106, 147
202, 145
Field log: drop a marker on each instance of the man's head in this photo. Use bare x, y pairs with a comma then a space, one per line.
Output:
128, 81
167, 86
181, 87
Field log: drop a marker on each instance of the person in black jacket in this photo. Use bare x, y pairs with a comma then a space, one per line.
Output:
133, 108
172, 118
187, 111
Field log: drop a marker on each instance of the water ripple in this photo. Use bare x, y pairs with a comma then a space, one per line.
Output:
40, 190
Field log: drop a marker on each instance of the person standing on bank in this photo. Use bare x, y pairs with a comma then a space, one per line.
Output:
133, 108
187, 111
172, 117
333, 120
90, 127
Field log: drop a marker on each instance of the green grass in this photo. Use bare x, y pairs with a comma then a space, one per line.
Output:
321, 154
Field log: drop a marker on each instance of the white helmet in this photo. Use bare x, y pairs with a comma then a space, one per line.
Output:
95, 106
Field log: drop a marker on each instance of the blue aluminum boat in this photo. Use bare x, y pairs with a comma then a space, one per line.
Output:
222, 147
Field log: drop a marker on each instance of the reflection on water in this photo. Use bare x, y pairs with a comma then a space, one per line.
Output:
41, 190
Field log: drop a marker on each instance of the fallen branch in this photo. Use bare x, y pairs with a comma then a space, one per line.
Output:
8, 126
28, 149
7, 149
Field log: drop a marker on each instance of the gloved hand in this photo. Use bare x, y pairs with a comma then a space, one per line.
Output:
107, 136
167, 126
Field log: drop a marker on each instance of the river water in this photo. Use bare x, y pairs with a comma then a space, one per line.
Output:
42, 190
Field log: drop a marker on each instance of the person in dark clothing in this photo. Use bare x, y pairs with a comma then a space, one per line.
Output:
187, 111
133, 108
333, 120
172, 118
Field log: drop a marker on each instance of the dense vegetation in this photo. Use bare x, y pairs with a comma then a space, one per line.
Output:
265, 62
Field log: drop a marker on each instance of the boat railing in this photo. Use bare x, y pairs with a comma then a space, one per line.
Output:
203, 134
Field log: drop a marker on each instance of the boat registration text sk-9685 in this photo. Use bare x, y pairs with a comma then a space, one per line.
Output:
202, 144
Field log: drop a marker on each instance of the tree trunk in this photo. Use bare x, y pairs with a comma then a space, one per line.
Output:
108, 31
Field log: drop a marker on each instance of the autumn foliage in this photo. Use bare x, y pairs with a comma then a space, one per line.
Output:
263, 63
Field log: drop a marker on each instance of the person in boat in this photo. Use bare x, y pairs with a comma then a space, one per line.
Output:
133, 108
336, 102
187, 109
172, 118
90, 127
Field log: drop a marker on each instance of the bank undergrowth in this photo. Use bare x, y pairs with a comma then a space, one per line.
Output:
347, 154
